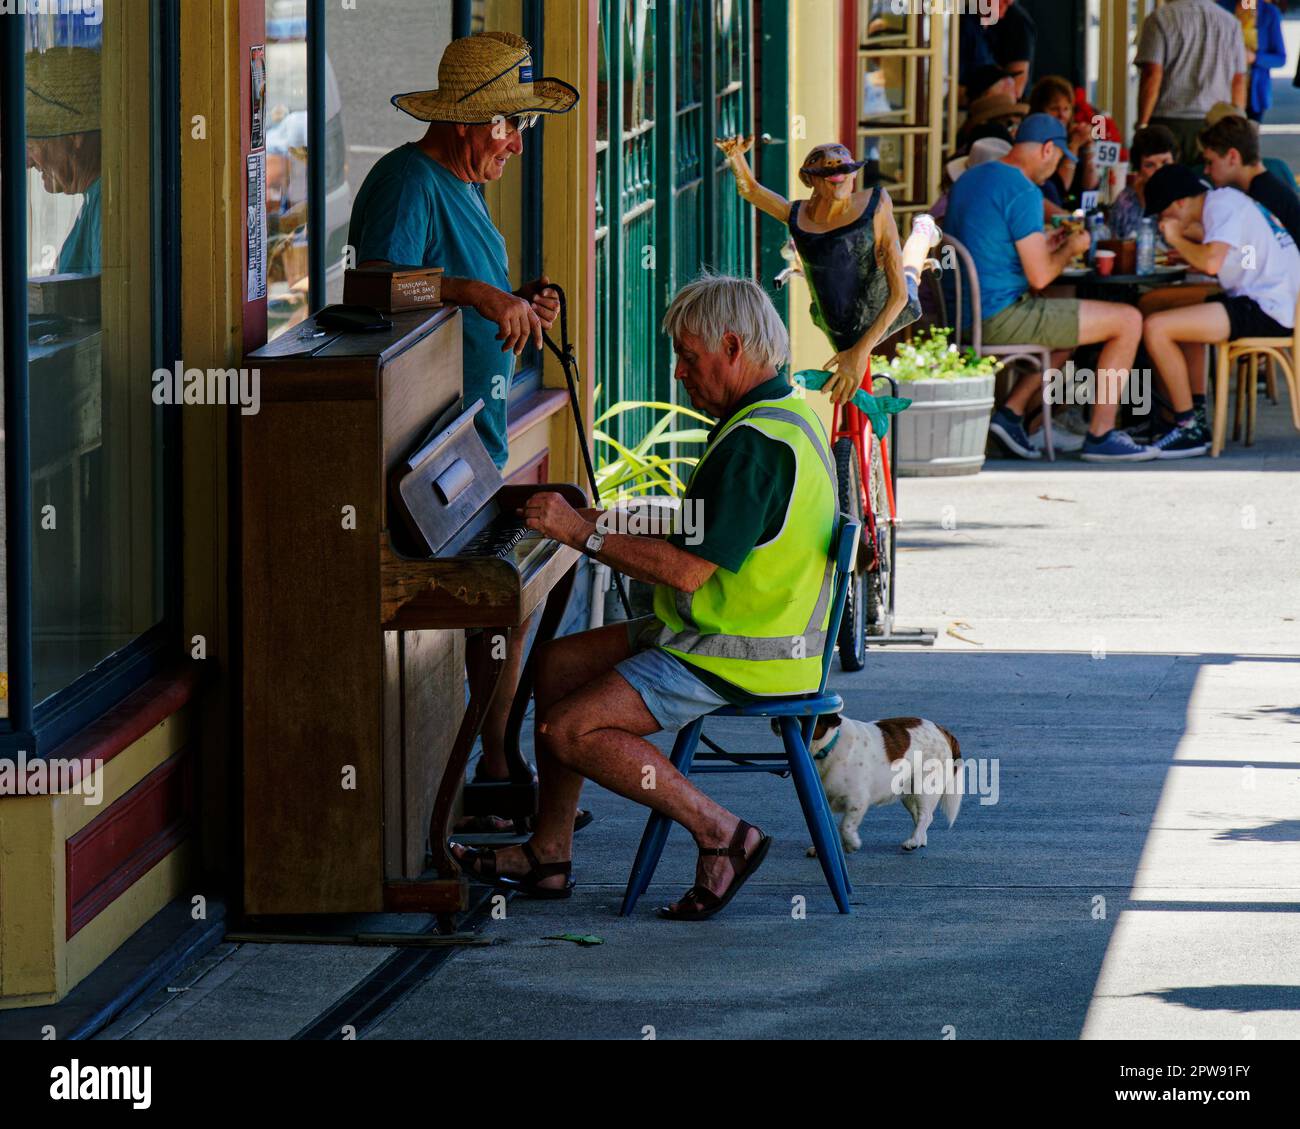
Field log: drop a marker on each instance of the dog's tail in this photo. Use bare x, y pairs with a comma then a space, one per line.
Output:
951, 802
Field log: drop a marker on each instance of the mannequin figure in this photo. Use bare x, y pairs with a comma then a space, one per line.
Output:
864, 285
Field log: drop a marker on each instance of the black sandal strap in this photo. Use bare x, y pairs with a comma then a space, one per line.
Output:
540, 870
736, 848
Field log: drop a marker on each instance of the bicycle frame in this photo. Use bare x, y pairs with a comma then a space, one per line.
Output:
849, 422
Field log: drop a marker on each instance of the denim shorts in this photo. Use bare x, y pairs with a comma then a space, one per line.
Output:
672, 694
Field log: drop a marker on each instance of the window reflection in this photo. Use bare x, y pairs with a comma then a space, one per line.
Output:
94, 454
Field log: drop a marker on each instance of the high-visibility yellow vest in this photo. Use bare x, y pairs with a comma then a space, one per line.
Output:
763, 628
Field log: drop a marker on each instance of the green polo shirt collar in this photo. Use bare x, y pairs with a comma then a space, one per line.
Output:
772, 389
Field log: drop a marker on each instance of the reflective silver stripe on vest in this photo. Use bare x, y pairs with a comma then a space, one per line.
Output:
752, 648
785, 415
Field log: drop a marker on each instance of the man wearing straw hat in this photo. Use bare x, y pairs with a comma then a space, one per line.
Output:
422, 205
63, 144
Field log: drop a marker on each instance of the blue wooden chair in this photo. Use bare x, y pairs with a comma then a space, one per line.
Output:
797, 716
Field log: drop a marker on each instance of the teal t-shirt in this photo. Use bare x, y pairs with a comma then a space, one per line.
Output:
991, 208
410, 211
82, 251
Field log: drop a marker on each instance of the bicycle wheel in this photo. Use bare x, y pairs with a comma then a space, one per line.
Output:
852, 638
880, 580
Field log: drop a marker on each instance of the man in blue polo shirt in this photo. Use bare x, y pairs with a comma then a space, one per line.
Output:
422, 205
996, 211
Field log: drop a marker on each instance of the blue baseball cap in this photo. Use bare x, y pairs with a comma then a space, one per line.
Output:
1041, 128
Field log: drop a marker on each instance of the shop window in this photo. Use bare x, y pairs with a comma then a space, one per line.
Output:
89, 508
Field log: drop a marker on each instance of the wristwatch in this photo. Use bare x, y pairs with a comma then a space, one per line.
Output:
594, 543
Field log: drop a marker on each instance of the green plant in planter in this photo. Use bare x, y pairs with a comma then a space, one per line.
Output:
640, 469
931, 356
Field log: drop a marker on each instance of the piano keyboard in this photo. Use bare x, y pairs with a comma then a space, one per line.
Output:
496, 540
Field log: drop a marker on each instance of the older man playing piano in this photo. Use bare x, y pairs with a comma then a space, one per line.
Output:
740, 612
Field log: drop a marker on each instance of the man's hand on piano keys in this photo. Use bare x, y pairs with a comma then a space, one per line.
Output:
552, 516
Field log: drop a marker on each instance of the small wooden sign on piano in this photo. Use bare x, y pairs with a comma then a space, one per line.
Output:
393, 289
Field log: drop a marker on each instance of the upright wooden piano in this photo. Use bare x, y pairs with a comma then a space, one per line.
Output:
354, 652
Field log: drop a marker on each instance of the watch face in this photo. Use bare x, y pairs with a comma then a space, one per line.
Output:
595, 541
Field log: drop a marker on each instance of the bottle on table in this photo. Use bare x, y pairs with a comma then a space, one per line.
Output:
1146, 246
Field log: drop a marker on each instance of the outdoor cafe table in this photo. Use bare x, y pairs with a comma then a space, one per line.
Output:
1115, 287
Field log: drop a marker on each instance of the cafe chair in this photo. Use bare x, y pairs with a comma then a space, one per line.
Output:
1283, 352
796, 717
1038, 355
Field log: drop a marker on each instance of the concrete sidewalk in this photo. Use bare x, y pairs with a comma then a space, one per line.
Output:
1135, 700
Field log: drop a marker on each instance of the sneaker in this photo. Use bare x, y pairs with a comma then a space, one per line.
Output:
1115, 447
1011, 432
1202, 418
1184, 442
1063, 442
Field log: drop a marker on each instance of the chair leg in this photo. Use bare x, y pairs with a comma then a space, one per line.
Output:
1252, 399
1291, 374
817, 814
657, 826
1221, 374
1270, 379
1047, 411
1239, 408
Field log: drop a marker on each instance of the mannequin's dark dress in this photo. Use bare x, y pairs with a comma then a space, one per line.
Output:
849, 289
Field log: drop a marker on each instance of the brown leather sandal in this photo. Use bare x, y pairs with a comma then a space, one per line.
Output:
700, 902
481, 865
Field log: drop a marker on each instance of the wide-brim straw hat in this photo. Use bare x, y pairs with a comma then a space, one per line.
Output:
485, 75
989, 109
62, 91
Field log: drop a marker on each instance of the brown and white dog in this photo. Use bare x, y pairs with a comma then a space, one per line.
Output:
867, 764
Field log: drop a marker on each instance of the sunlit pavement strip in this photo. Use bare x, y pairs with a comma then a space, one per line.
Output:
1128, 882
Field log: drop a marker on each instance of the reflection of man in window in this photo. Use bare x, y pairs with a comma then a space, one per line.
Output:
63, 143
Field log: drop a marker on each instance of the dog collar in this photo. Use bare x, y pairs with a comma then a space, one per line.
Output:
826, 751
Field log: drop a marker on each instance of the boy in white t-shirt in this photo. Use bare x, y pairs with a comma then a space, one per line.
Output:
1220, 232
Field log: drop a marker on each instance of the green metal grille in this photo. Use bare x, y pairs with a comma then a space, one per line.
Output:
665, 205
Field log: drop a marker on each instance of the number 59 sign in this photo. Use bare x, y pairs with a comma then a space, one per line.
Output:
1106, 153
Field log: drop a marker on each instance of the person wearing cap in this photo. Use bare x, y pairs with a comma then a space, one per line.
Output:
422, 205
63, 145
996, 211
1219, 232
864, 285
1232, 160
1191, 54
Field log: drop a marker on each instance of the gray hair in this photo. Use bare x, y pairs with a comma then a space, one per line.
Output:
714, 304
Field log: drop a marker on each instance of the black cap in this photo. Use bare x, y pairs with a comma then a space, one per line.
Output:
981, 78
1171, 183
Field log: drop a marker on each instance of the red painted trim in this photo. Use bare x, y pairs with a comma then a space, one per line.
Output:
132, 718
252, 31
115, 850
849, 94
535, 472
